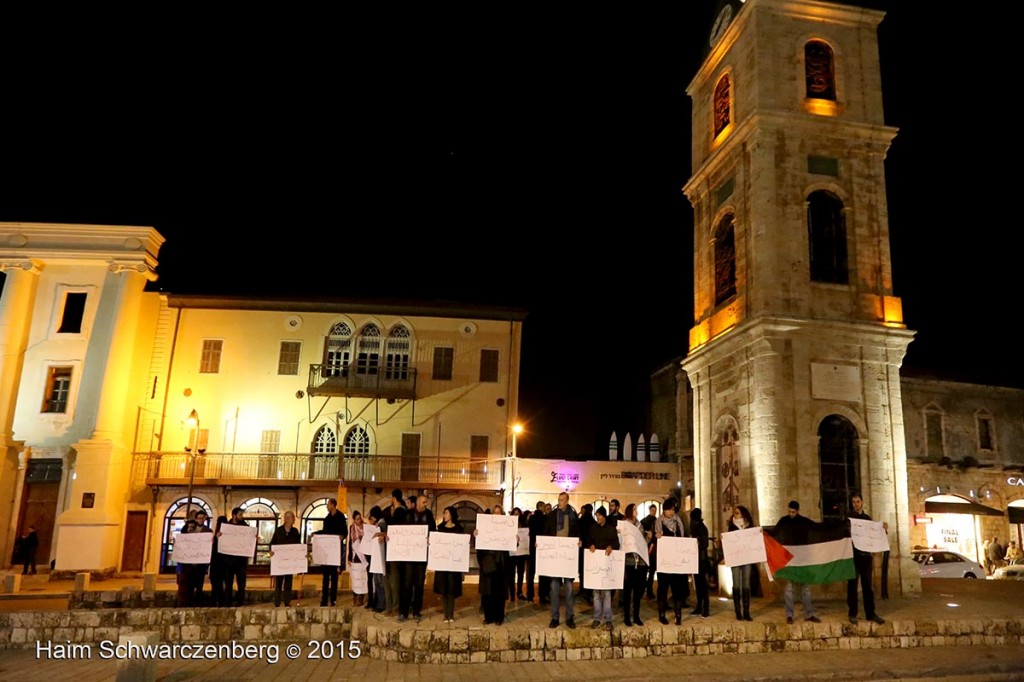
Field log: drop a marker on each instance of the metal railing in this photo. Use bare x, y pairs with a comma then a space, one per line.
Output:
385, 381
264, 467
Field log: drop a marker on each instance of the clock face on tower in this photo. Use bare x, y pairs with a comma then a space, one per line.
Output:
721, 23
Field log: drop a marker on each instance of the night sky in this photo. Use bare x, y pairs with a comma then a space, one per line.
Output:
534, 161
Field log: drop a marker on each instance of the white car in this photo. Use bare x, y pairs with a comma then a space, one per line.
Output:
1012, 572
942, 563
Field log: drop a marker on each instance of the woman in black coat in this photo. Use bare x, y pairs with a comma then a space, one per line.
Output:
448, 584
493, 581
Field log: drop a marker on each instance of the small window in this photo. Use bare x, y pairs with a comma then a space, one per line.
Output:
723, 105
270, 441
826, 229
71, 318
725, 260
288, 362
819, 67
58, 387
210, 363
488, 365
986, 433
444, 358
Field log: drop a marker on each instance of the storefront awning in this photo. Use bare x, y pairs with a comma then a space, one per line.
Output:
958, 504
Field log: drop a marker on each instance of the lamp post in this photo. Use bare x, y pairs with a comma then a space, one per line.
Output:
516, 430
193, 420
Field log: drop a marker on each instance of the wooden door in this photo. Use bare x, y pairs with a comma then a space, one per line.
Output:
39, 509
134, 550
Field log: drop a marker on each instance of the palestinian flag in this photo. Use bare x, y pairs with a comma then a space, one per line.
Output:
809, 552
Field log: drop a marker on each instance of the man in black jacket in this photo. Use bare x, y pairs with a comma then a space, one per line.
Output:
536, 526
864, 563
793, 524
562, 522
410, 595
335, 523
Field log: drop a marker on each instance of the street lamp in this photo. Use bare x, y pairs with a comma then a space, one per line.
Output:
516, 430
193, 420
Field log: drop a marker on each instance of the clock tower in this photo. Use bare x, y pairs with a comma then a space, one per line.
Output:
798, 337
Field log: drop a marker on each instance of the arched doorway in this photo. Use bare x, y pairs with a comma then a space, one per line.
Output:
264, 514
838, 458
174, 519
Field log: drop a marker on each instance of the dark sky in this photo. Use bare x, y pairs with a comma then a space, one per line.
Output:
534, 161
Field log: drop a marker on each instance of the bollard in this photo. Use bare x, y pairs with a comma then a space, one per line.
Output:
132, 667
149, 582
81, 582
12, 583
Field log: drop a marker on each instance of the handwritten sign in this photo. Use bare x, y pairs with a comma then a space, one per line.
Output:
557, 557
523, 549
193, 548
288, 559
868, 536
407, 543
677, 555
448, 552
366, 544
632, 539
496, 532
327, 550
237, 540
604, 572
359, 578
743, 547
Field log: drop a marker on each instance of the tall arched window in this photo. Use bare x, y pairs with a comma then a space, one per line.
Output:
264, 515
174, 519
729, 472
396, 353
725, 260
838, 456
368, 350
820, 70
722, 104
312, 518
357, 441
338, 351
324, 441
826, 232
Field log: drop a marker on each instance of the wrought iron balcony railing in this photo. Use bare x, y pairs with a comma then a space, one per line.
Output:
172, 468
366, 380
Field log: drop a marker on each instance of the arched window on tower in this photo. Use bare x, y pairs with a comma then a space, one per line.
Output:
723, 104
368, 350
826, 231
838, 457
338, 351
725, 260
820, 70
396, 353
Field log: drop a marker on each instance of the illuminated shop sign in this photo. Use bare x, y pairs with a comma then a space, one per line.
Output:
643, 475
1013, 480
572, 479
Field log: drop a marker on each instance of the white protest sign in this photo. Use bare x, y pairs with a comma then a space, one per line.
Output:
523, 549
744, 546
604, 571
868, 536
632, 539
288, 559
407, 543
366, 544
193, 548
327, 550
496, 532
376, 555
359, 578
236, 540
557, 557
448, 552
677, 555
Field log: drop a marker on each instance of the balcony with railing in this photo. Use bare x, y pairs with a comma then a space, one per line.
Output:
174, 468
363, 381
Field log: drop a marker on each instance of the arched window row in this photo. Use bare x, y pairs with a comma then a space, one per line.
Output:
363, 348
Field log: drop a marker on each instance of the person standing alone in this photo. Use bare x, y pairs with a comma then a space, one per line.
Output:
864, 563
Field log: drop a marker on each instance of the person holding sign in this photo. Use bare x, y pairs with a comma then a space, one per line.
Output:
636, 569
186, 573
740, 520
448, 584
562, 521
864, 563
356, 561
414, 576
493, 578
700, 581
669, 524
235, 566
286, 534
335, 523
604, 537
